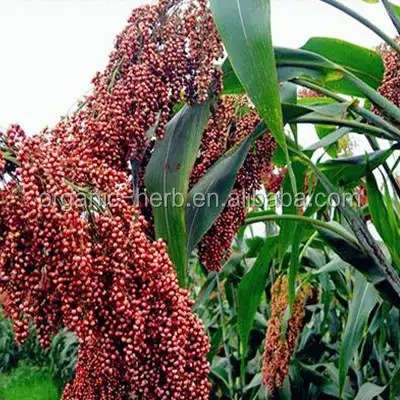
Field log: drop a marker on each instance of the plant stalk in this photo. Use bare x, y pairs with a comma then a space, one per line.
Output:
299, 218
375, 146
224, 339
392, 14
356, 126
365, 22
366, 114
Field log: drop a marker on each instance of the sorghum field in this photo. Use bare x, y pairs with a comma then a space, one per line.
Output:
172, 239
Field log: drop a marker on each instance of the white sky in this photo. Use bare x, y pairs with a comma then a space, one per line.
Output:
50, 49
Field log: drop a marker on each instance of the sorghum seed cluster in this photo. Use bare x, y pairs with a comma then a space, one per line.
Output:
277, 353
390, 87
227, 128
93, 269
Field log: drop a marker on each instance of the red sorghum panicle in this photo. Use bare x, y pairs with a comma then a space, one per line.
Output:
272, 180
215, 246
74, 246
390, 87
214, 141
305, 93
100, 276
361, 192
226, 130
362, 200
277, 353
159, 59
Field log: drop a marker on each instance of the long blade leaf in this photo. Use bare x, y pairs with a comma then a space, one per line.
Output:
364, 300
245, 27
208, 197
167, 179
250, 291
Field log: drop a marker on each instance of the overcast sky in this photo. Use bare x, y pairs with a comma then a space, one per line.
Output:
50, 49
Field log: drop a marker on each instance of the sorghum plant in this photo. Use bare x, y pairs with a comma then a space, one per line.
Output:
233, 297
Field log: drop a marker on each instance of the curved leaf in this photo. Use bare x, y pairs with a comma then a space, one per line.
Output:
384, 221
394, 13
350, 252
364, 21
394, 385
364, 63
290, 63
251, 289
214, 187
296, 63
208, 197
350, 169
378, 270
293, 64
369, 391
167, 179
334, 265
245, 28
330, 139
364, 300
231, 83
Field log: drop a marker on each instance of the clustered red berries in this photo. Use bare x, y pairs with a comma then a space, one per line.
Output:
68, 258
390, 87
227, 128
215, 138
305, 93
100, 276
165, 55
273, 179
277, 353
76, 251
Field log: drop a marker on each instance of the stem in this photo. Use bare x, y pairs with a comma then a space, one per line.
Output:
242, 376
357, 126
396, 164
368, 115
307, 245
242, 355
365, 22
388, 107
291, 172
114, 74
392, 14
8, 156
226, 349
313, 86
375, 146
382, 102
307, 220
